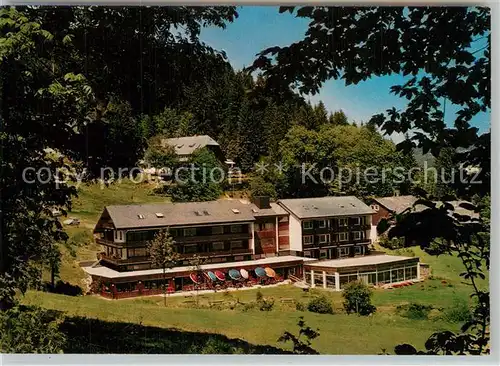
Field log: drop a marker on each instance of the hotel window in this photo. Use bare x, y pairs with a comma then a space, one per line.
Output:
322, 254
268, 226
218, 245
325, 238
322, 224
236, 228
343, 252
343, 221
357, 250
357, 235
190, 248
343, 237
236, 244
375, 208
357, 220
307, 225
308, 239
217, 230
190, 231
307, 254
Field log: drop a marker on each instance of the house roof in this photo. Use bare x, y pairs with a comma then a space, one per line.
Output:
275, 210
269, 261
396, 204
400, 203
186, 213
325, 206
361, 261
187, 145
463, 211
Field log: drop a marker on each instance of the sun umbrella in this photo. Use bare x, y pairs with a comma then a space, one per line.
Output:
194, 277
261, 272
220, 276
244, 273
234, 274
212, 276
270, 272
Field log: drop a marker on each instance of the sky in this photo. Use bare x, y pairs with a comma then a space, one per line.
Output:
260, 27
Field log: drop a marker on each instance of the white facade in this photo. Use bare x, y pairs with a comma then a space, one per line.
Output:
295, 233
252, 239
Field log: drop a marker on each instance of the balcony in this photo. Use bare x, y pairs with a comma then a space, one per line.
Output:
226, 253
146, 259
266, 234
212, 238
109, 243
181, 240
337, 243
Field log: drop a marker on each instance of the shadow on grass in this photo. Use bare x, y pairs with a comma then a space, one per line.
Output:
63, 288
86, 335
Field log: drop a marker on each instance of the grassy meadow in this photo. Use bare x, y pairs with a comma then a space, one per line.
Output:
229, 316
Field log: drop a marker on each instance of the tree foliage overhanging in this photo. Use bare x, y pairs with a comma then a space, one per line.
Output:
444, 53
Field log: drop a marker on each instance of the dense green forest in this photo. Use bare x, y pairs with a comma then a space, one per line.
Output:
98, 85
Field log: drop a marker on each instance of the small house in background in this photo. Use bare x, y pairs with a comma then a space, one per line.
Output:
384, 207
185, 146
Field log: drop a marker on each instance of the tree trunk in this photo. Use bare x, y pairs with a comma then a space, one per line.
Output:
164, 289
52, 276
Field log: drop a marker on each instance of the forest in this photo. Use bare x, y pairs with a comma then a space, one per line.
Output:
99, 85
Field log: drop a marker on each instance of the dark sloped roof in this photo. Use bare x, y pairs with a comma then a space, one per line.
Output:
325, 206
188, 213
396, 204
188, 144
275, 210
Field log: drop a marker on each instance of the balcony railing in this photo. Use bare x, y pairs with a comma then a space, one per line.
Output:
180, 240
211, 238
337, 243
146, 259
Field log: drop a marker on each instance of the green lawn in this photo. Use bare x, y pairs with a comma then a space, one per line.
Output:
339, 333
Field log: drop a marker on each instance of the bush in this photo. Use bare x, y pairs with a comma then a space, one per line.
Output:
216, 346
394, 243
459, 312
249, 306
406, 252
259, 296
259, 187
414, 311
30, 330
320, 305
300, 306
266, 305
357, 298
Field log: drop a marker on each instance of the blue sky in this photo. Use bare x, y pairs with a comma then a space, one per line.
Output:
259, 27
